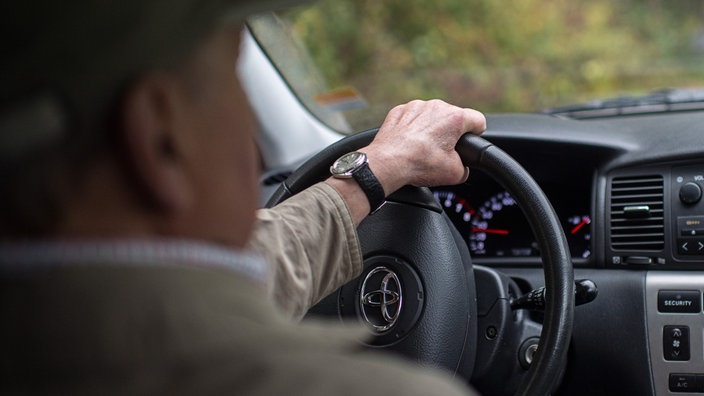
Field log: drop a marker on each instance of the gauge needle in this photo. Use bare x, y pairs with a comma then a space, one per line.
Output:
585, 221
490, 231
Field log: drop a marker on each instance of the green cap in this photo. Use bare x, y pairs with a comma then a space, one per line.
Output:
64, 61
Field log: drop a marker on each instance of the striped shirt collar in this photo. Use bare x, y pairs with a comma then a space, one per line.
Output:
41, 255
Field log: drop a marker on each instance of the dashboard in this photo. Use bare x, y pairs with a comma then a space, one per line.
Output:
629, 194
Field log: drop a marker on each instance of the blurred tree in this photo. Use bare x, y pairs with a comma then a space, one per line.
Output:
512, 55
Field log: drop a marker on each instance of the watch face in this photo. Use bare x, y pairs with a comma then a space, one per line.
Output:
347, 163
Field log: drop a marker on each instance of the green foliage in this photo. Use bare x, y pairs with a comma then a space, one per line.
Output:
503, 56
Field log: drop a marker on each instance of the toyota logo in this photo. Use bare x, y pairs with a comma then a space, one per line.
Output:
380, 299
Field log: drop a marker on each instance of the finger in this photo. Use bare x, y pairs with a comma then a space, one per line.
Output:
475, 122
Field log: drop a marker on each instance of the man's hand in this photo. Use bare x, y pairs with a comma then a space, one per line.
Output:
414, 146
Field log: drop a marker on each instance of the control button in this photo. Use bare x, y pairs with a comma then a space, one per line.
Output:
685, 246
675, 343
680, 301
691, 232
684, 383
690, 193
689, 226
690, 246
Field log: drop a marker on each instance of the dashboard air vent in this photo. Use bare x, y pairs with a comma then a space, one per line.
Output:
637, 213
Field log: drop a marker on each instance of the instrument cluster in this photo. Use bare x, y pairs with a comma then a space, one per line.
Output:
493, 225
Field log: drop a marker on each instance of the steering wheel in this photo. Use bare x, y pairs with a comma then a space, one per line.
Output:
417, 294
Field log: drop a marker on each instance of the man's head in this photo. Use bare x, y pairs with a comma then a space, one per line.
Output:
125, 118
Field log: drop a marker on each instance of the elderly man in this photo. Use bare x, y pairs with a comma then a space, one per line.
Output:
128, 213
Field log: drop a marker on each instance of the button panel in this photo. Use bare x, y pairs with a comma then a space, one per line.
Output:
690, 246
687, 212
676, 331
690, 231
675, 343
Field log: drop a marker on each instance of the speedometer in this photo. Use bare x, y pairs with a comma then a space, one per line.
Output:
499, 229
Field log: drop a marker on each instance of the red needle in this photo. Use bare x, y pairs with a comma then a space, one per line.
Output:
585, 221
490, 231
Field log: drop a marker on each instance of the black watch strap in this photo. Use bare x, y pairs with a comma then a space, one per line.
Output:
371, 187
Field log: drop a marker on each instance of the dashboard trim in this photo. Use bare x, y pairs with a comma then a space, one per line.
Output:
661, 368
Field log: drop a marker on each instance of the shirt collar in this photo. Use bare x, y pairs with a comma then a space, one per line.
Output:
41, 255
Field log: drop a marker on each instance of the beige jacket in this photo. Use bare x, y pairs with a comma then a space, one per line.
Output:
312, 244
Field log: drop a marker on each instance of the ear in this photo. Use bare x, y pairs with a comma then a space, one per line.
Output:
150, 142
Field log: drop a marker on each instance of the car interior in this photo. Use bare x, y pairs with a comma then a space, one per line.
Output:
570, 262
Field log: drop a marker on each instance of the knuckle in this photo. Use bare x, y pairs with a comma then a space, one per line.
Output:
397, 109
437, 103
456, 119
396, 112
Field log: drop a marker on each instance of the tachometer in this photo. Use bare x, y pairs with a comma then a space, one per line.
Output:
578, 234
457, 209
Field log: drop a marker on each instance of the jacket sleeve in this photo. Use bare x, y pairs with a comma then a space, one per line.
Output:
311, 242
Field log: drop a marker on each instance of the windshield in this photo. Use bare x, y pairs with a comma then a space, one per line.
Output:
355, 59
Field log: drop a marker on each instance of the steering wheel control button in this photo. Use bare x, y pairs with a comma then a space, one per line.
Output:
679, 301
688, 383
675, 343
690, 193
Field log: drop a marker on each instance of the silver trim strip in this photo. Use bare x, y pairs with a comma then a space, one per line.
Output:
661, 368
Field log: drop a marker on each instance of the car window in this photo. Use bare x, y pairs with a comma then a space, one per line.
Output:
356, 59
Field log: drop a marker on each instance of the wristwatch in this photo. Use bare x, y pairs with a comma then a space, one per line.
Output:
356, 165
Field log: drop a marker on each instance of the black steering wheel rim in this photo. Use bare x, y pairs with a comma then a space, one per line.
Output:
477, 153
